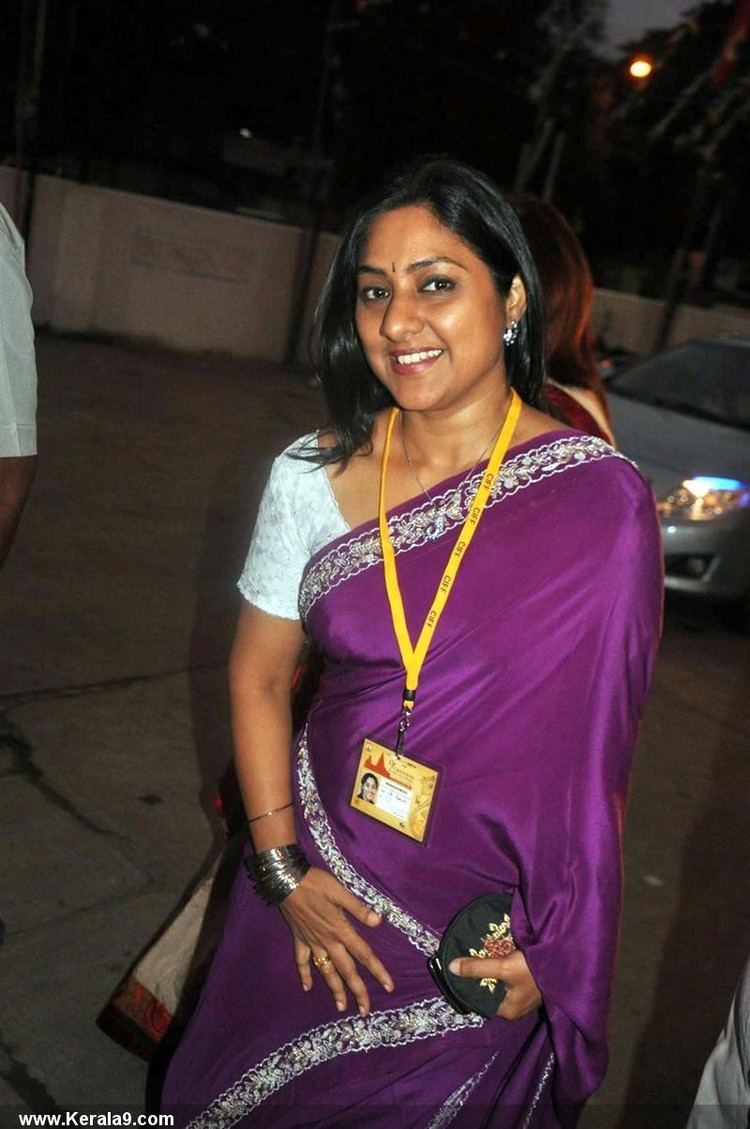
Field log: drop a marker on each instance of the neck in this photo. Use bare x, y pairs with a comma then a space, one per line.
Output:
450, 440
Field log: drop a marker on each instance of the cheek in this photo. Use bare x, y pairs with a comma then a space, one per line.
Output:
367, 327
490, 325
474, 325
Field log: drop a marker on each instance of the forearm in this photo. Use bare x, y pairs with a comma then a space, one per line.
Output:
262, 728
264, 657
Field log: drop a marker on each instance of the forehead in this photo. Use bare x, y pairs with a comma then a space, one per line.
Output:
408, 235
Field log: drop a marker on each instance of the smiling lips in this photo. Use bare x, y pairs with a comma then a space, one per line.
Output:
416, 361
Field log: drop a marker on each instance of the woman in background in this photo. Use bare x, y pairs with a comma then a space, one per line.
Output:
574, 391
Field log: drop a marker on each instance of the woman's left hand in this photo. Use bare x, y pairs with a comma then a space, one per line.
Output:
522, 994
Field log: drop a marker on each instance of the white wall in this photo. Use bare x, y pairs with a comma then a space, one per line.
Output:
632, 322
105, 261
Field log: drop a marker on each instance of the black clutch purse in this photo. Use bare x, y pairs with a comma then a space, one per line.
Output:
480, 929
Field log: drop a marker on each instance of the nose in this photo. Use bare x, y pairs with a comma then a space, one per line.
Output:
401, 318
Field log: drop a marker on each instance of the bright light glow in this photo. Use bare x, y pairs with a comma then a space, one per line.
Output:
701, 486
246, 133
704, 498
640, 67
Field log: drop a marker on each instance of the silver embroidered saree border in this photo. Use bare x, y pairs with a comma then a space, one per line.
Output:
541, 1084
392, 1028
412, 529
320, 828
455, 1102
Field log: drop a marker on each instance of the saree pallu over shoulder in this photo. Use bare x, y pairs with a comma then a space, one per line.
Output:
354, 552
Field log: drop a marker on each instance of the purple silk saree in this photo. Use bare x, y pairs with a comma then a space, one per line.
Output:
528, 704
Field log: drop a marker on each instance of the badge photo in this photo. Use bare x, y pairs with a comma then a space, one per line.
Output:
395, 790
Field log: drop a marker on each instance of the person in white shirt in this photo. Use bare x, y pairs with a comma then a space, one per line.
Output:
723, 1098
17, 383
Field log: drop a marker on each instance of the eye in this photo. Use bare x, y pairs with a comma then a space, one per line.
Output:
373, 293
438, 284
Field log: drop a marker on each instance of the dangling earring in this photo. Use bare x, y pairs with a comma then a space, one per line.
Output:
510, 333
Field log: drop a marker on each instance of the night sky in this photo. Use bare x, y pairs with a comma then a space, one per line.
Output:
153, 95
628, 19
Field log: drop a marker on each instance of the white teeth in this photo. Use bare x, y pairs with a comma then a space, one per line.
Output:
415, 358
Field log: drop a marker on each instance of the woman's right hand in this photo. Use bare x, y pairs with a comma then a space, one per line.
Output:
319, 911
316, 913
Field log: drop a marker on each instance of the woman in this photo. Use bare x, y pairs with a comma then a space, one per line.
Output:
528, 701
368, 789
574, 391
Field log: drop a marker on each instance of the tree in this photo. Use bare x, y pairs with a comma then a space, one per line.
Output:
676, 144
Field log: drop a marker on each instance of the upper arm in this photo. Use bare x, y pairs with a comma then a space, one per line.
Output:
278, 550
265, 653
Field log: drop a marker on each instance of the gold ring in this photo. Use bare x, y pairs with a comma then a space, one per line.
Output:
321, 961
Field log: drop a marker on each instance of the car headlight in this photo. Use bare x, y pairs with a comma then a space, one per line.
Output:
702, 499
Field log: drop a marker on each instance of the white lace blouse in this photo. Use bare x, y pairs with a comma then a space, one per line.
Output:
298, 515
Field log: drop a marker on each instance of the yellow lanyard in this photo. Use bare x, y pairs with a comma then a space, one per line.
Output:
413, 657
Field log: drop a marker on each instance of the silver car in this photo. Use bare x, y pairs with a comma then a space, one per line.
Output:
684, 417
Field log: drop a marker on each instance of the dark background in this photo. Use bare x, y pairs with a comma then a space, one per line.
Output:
151, 95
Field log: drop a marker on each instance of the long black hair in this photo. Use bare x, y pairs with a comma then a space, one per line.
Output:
465, 201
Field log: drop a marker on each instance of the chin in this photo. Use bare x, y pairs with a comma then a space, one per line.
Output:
416, 399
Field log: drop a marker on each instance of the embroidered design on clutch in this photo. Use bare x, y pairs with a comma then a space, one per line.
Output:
497, 943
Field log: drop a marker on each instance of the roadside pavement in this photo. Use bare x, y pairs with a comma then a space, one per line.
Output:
117, 608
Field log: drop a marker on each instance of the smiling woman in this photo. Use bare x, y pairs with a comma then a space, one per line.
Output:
435, 310
464, 211
484, 590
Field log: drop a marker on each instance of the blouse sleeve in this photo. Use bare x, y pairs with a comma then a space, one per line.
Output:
278, 553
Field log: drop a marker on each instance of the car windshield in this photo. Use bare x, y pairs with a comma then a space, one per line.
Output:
711, 381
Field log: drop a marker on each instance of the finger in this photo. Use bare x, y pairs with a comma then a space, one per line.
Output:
506, 1010
477, 968
325, 932
333, 981
302, 956
512, 1010
347, 970
358, 909
349, 940
364, 955
520, 1001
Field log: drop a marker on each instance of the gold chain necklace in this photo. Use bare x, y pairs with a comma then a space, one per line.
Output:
466, 477
440, 510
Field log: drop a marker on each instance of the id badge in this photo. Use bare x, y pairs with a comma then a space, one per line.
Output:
395, 790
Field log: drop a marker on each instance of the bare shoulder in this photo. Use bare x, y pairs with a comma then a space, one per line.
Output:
355, 483
532, 424
363, 460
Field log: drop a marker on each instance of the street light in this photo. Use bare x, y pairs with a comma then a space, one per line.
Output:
640, 67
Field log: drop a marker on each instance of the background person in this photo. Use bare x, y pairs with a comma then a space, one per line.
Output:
17, 384
574, 391
723, 1098
528, 704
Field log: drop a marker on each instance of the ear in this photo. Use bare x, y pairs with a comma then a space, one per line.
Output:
515, 301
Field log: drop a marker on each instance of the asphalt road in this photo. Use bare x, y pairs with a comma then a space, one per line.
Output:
116, 613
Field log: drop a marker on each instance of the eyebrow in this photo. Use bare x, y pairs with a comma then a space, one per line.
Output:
366, 268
